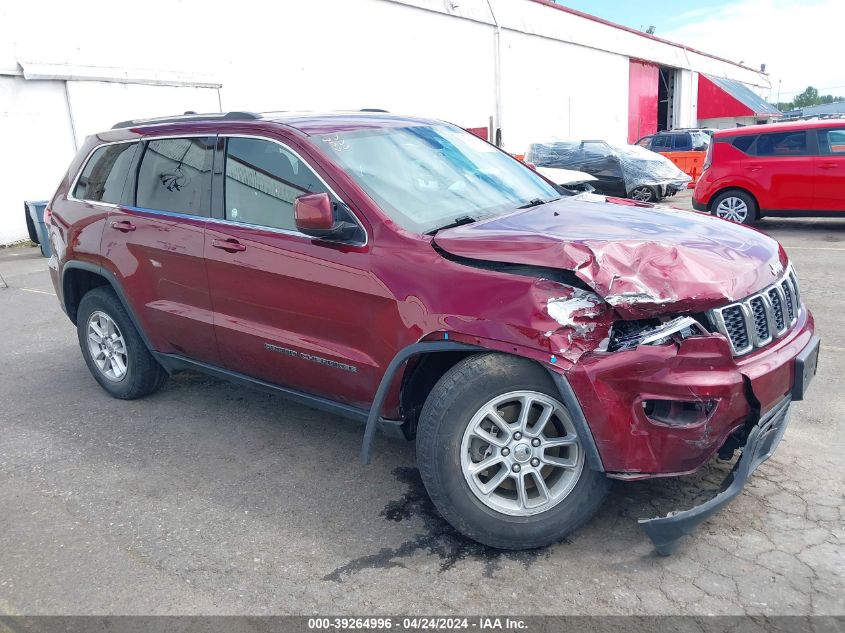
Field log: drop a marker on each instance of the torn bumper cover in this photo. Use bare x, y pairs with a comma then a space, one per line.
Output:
762, 441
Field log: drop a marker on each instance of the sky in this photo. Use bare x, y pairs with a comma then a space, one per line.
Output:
799, 41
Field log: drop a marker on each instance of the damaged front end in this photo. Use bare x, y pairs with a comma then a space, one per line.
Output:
678, 343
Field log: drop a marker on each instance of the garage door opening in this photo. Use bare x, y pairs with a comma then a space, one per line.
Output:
666, 99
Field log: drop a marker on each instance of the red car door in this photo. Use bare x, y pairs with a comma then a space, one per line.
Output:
830, 170
156, 245
783, 170
288, 309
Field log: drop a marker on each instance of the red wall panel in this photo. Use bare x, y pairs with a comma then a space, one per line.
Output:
642, 100
713, 102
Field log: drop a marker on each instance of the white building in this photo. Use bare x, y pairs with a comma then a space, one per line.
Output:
527, 69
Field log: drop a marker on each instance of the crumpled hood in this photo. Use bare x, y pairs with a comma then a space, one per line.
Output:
643, 260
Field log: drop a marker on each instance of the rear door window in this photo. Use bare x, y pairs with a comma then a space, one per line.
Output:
832, 141
105, 173
681, 142
782, 144
175, 176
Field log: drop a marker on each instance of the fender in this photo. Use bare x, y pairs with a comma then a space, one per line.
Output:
116, 286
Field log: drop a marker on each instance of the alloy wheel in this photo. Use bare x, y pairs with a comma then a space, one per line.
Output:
642, 194
520, 453
732, 208
107, 346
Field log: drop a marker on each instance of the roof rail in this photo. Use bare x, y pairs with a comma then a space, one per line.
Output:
372, 110
190, 116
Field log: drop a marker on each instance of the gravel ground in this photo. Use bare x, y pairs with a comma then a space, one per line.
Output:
208, 498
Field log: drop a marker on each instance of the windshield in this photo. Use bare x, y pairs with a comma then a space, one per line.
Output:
426, 177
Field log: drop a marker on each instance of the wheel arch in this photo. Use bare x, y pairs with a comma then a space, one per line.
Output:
79, 278
719, 192
428, 361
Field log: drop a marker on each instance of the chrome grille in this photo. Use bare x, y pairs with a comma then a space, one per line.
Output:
757, 320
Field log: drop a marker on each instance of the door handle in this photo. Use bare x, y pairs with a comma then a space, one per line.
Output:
123, 225
754, 167
230, 245
827, 166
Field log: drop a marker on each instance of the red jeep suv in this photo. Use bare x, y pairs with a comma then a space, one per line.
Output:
784, 169
406, 274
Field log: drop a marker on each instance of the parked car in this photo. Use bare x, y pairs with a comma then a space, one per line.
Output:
781, 169
407, 274
569, 178
626, 171
676, 141
709, 131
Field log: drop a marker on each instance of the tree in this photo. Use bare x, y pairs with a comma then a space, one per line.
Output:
809, 97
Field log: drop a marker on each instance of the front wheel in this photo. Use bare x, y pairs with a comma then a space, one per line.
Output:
500, 456
644, 193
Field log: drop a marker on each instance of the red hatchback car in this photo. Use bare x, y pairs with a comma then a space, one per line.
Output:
404, 273
784, 169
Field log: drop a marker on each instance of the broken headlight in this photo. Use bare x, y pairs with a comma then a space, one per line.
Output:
629, 334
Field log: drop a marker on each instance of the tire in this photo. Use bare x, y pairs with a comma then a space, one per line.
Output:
141, 375
735, 206
644, 193
445, 443
30, 225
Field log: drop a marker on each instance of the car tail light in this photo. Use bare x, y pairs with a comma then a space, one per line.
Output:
48, 215
708, 157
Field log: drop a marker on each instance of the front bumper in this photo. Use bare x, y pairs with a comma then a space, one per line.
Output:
762, 441
616, 389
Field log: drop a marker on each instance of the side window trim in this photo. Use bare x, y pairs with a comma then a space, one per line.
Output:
84, 164
218, 173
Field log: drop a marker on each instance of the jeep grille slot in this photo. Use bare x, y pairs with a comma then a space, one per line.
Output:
791, 304
735, 328
761, 319
756, 321
777, 308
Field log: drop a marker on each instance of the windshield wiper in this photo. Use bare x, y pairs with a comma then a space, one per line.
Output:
464, 219
536, 202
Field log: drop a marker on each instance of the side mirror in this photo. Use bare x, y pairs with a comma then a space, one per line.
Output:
313, 214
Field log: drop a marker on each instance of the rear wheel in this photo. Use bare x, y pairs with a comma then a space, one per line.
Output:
500, 456
113, 349
736, 206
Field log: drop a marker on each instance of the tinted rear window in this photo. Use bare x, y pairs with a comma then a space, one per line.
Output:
681, 141
104, 174
175, 175
743, 143
782, 144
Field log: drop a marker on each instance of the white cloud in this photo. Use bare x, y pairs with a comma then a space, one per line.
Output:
801, 43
